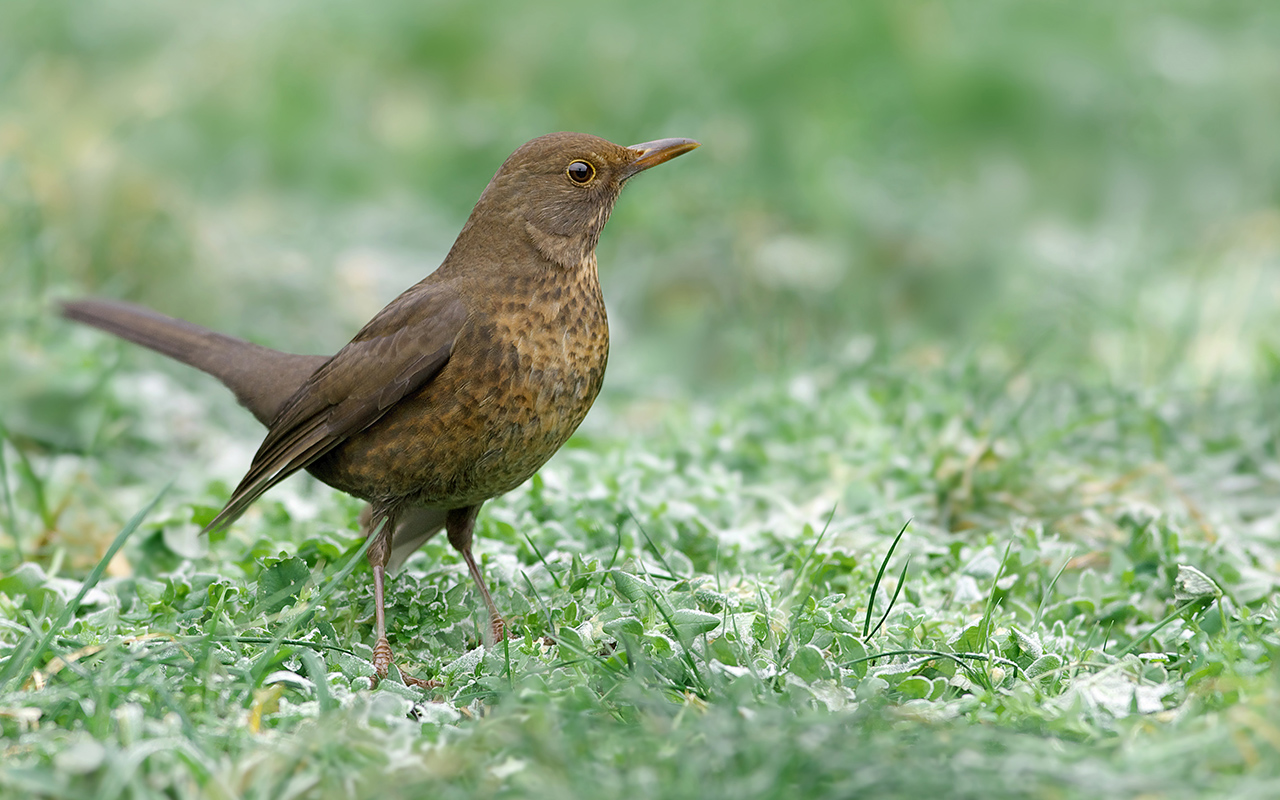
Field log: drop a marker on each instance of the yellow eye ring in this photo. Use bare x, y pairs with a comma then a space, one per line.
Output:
580, 172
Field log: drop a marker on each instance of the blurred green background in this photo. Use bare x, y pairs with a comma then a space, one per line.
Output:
1087, 189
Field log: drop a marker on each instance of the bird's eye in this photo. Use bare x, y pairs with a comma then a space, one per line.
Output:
580, 172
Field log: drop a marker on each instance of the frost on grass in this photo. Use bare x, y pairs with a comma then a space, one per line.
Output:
679, 575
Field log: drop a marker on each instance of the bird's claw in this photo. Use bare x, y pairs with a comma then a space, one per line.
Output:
382, 666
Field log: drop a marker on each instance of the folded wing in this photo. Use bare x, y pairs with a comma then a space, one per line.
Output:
400, 351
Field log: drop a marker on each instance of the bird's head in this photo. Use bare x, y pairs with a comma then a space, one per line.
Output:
558, 190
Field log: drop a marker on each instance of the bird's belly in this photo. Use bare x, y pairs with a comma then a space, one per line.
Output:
482, 427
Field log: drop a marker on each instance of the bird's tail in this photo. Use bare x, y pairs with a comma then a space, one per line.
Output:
262, 378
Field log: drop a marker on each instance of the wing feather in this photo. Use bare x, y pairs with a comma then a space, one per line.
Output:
401, 350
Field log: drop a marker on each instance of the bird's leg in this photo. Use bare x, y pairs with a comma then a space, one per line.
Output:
378, 553
459, 524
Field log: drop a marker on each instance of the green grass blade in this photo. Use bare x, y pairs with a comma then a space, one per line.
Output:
20, 665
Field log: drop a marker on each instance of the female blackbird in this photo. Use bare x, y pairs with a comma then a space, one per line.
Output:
457, 391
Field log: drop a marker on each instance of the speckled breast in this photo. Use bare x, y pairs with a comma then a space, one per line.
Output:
522, 376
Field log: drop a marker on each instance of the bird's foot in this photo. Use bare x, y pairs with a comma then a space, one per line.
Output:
381, 661
382, 666
409, 680
497, 628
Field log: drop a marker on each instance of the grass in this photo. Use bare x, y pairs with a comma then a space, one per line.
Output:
686, 625
937, 455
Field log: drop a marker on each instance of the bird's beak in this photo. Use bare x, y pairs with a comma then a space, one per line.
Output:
651, 154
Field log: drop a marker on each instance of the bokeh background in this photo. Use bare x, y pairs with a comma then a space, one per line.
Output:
1088, 190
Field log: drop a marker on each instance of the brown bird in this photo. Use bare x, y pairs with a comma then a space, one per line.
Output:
457, 391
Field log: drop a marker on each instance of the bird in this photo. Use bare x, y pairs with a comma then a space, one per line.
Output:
457, 391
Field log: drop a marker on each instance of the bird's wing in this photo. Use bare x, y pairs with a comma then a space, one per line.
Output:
401, 350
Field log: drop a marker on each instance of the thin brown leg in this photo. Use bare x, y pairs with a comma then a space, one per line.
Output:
460, 523
379, 551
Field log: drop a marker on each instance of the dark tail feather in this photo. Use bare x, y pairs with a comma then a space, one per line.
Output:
262, 379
